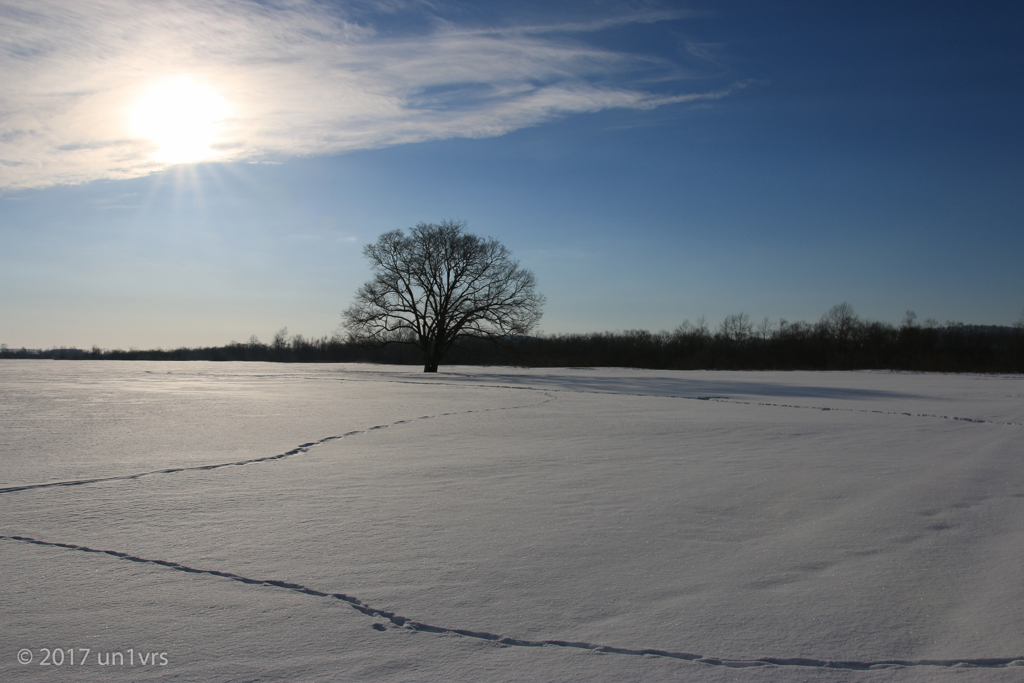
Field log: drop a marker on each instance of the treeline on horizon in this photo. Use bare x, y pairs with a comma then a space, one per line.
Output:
840, 340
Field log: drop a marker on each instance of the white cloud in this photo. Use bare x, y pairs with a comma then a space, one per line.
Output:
300, 80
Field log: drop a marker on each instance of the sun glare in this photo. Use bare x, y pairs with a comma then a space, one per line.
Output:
182, 117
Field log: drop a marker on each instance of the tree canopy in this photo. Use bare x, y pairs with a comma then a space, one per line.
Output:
439, 284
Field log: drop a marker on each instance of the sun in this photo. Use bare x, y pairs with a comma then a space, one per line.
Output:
183, 117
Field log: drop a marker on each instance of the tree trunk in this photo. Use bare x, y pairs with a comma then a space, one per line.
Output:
431, 358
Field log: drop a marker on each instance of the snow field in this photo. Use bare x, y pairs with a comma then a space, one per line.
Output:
726, 516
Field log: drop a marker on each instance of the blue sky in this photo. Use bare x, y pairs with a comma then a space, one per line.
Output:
650, 161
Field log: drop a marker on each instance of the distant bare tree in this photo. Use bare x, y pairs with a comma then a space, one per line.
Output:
280, 338
764, 329
439, 284
840, 323
683, 329
736, 327
702, 327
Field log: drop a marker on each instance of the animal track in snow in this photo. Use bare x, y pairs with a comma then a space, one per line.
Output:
714, 398
302, 448
729, 399
721, 399
507, 641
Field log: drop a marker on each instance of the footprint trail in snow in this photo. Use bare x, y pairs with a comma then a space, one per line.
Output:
302, 448
507, 641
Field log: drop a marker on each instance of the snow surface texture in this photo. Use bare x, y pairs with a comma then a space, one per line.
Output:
258, 522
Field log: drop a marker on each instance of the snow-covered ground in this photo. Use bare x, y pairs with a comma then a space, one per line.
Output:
259, 522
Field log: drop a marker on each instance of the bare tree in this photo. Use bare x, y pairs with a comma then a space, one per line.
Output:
683, 329
439, 284
701, 328
736, 327
280, 338
840, 323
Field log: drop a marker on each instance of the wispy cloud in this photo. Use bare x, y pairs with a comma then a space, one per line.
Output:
302, 78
